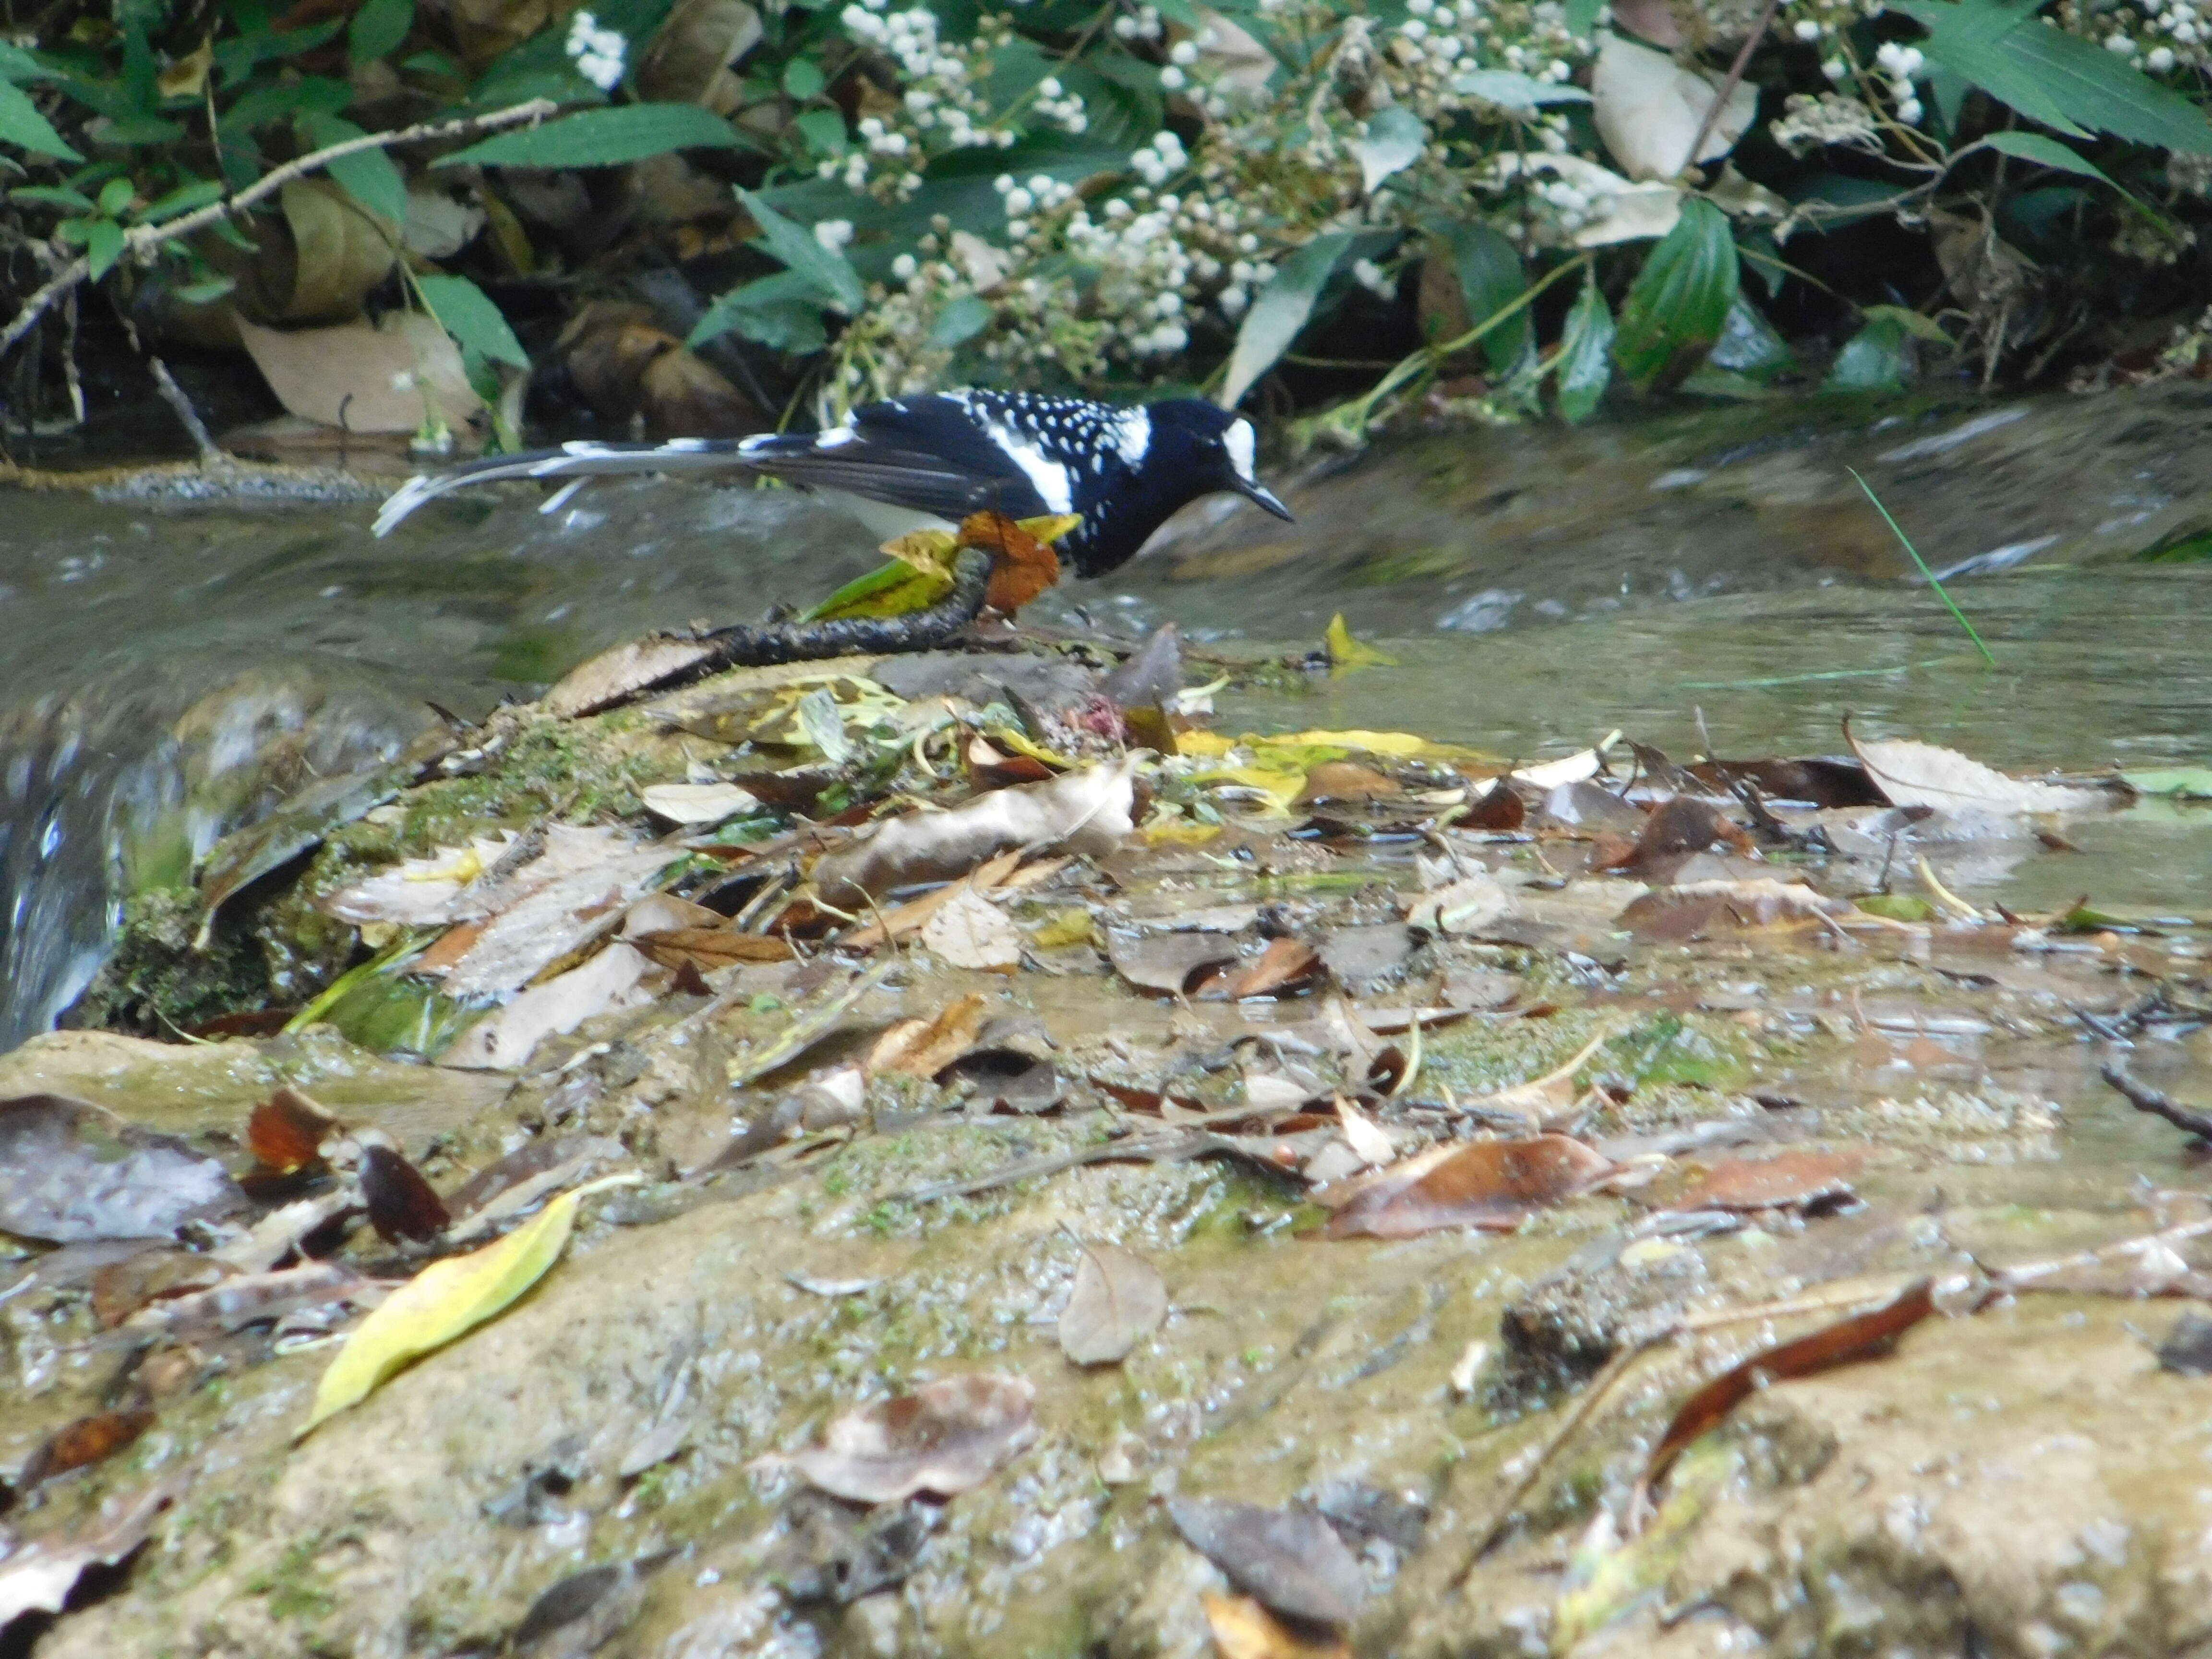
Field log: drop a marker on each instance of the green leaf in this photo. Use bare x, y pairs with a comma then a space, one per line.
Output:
1877, 358
116, 195
1491, 278
783, 312
802, 80
379, 28
72, 201
1750, 346
369, 176
603, 138
1585, 354
1280, 310
960, 321
267, 101
103, 247
22, 125
2055, 78
827, 270
2183, 783
1518, 94
2045, 152
1680, 299
1394, 140
1582, 16
888, 589
181, 200
824, 130
465, 311
200, 293
16, 65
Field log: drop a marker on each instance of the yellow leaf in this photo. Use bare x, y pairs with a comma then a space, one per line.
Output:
1328, 745
1015, 742
925, 550
1347, 654
445, 1300
1073, 926
1281, 786
1205, 743
1051, 527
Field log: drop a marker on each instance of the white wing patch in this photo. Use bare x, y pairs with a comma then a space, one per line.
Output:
1054, 486
1133, 436
1237, 440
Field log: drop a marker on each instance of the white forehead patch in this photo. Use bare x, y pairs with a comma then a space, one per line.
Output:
1054, 485
1133, 436
1237, 440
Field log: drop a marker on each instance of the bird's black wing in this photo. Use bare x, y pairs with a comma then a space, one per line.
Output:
926, 453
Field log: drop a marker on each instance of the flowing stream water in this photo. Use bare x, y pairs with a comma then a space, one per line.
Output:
173, 668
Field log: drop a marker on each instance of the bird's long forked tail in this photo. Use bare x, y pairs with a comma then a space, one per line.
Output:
578, 461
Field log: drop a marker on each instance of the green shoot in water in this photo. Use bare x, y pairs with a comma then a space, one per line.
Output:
1949, 602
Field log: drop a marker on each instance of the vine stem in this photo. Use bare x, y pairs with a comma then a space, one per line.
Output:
1735, 80
141, 240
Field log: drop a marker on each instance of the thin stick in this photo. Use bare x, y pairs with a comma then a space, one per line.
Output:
2156, 1102
1940, 593
141, 238
174, 395
1735, 80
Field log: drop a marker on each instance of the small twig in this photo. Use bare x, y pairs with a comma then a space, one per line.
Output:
140, 239
2157, 1102
1735, 80
174, 395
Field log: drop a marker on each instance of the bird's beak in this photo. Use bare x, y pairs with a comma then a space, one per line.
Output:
1266, 497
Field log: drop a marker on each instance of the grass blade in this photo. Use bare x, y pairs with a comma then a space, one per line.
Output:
1940, 593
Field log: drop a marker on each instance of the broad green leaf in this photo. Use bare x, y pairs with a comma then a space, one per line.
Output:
369, 176
1875, 359
1680, 299
1490, 277
1394, 140
52, 196
2045, 152
1280, 311
378, 29
782, 312
1750, 346
445, 1300
603, 138
16, 65
200, 293
829, 271
116, 195
2058, 79
259, 105
802, 79
465, 311
2183, 783
960, 321
891, 589
823, 131
22, 125
103, 247
1585, 354
1925, 328
181, 200
1582, 15
1521, 94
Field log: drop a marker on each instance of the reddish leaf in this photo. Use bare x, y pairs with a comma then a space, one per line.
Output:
88, 1441
401, 1203
1287, 964
1792, 1179
1022, 567
947, 1437
121, 1288
1347, 781
1862, 1336
287, 1131
1501, 808
1492, 1184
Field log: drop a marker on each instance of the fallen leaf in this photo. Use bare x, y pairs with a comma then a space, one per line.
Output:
1819, 781
1789, 1180
969, 931
1118, 1299
697, 803
948, 1436
1083, 812
1696, 910
503, 1039
1464, 907
1358, 957
1364, 1135
1291, 1559
1347, 781
401, 1203
395, 375
1347, 655
917, 1048
121, 1288
286, 1132
71, 1172
1244, 1629
446, 1300
1541, 1098
1681, 826
1022, 564
1911, 774
1648, 109
39, 1576
1862, 1336
1495, 1185
81, 1445
707, 949
1177, 964
1287, 964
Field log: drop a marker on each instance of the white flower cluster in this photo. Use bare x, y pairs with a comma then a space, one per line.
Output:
598, 53
1902, 64
1064, 109
1143, 24
1834, 117
2157, 36
944, 107
834, 235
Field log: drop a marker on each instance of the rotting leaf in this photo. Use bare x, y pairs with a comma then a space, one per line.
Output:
1117, 1300
1176, 964
1790, 1180
948, 1436
1696, 910
503, 1040
1495, 1185
709, 949
401, 1203
969, 931
1911, 773
81, 1445
445, 1300
917, 1048
1291, 1559
1287, 964
38, 1577
1465, 907
286, 1132
1244, 1629
1862, 1336
1681, 826
1541, 1099
71, 1172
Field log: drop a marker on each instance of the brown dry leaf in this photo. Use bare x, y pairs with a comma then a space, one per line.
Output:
1788, 1180
1650, 109
503, 1039
1681, 826
340, 251
687, 60
287, 1131
539, 921
38, 1577
1118, 1299
121, 1288
392, 376
709, 948
1358, 956
946, 1438
1084, 812
1022, 565
1922, 774
911, 917
1862, 1336
969, 931
81, 1445
1287, 964
697, 803
920, 1047
989, 768
1176, 964
1543, 1098
1495, 1185
623, 670
1291, 1559
1347, 781
1696, 910
1244, 1629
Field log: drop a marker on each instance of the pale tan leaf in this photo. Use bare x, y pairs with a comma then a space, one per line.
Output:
947, 1437
390, 377
1118, 1299
969, 931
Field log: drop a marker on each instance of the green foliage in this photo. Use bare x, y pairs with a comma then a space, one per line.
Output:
465, 311
1680, 299
1490, 277
603, 138
1282, 309
1585, 355
1880, 357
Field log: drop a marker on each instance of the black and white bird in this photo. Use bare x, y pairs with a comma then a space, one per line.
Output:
920, 461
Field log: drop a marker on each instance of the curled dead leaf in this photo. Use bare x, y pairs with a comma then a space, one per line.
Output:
1495, 1185
948, 1436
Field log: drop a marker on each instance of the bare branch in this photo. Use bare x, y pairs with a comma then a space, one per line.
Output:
141, 240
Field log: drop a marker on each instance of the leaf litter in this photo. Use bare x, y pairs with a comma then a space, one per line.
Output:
818, 936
